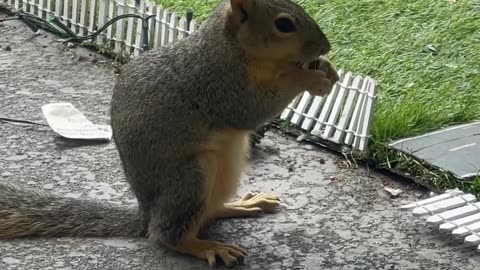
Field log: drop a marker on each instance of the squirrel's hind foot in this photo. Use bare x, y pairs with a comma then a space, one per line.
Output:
250, 205
231, 255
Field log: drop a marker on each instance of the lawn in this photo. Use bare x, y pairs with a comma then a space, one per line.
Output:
425, 55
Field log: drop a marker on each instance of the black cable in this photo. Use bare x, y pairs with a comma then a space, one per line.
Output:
55, 26
9, 18
110, 23
74, 37
3, 119
6, 9
33, 22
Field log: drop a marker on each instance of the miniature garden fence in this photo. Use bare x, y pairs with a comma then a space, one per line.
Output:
84, 17
343, 117
453, 212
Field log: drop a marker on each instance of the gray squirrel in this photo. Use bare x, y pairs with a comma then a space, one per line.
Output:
181, 117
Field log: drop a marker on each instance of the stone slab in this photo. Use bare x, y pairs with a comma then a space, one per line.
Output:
455, 149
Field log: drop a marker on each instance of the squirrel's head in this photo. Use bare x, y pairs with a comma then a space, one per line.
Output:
276, 30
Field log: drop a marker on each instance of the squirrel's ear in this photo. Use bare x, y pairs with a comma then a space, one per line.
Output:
241, 9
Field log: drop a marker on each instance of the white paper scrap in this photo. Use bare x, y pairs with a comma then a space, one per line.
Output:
70, 123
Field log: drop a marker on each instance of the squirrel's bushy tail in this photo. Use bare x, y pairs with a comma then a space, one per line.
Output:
29, 213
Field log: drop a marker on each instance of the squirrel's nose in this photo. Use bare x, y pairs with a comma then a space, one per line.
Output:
324, 50
325, 46
317, 48
322, 42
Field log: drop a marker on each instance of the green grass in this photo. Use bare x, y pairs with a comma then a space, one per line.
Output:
425, 55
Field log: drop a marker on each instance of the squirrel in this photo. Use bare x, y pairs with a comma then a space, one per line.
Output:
181, 116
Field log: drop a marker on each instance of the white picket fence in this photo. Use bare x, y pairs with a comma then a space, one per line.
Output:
125, 36
453, 212
343, 117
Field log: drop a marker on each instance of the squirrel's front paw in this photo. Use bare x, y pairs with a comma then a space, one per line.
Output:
327, 67
319, 85
317, 77
323, 76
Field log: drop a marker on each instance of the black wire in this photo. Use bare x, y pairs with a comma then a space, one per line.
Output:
21, 121
58, 27
110, 23
9, 18
32, 21
7, 10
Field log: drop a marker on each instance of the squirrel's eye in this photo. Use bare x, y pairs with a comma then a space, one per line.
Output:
285, 25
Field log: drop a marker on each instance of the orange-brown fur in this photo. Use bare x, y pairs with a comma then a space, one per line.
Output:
223, 163
222, 160
264, 72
